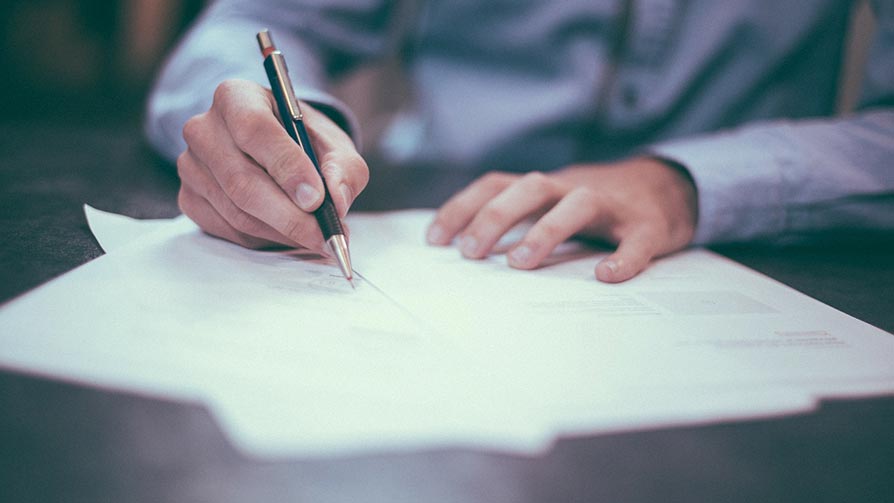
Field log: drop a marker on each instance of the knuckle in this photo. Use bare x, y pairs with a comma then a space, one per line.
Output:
448, 211
360, 171
241, 221
182, 164
240, 187
331, 168
364, 180
184, 201
586, 198
192, 129
448, 219
452, 214
188, 170
536, 180
550, 230
293, 227
350, 167
493, 213
225, 91
296, 229
245, 128
495, 179
282, 163
654, 231
585, 193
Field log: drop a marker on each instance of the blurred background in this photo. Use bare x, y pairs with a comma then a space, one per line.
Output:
87, 62
83, 61
92, 62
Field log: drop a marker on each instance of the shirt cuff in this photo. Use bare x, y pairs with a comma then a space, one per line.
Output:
335, 109
739, 181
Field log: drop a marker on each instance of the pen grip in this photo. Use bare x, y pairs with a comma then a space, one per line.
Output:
327, 216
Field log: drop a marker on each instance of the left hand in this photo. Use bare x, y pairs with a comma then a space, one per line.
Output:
643, 205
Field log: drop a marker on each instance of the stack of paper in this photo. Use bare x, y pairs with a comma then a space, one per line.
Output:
432, 349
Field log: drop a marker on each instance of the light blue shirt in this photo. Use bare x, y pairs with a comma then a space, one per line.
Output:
740, 92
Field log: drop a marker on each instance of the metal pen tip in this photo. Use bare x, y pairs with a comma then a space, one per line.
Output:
339, 247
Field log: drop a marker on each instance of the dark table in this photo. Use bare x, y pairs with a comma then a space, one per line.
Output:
64, 442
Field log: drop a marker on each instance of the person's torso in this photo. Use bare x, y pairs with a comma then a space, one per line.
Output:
534, 85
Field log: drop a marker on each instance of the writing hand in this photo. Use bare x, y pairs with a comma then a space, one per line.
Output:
245, 180
643, 205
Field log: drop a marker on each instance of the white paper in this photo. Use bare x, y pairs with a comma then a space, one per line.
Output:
114, 231
432, 349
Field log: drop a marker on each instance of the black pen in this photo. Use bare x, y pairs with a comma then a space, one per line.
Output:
293, 121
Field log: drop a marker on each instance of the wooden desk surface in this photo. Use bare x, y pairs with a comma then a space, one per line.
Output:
62, 442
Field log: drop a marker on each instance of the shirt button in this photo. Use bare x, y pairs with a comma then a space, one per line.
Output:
629, 96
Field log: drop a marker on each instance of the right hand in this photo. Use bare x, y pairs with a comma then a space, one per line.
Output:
245, 180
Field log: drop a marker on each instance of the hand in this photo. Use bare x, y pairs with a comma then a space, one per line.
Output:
643, 205
245, 180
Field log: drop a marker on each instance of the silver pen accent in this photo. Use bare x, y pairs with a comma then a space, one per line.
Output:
293, 122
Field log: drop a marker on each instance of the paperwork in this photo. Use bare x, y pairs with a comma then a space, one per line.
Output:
432, 349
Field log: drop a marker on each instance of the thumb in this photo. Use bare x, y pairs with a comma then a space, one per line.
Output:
632, 256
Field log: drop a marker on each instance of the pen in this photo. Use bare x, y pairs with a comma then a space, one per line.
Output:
293, 121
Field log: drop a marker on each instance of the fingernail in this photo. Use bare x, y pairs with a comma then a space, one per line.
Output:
306, 196
435, 234
611, 265
346, 197
520, 256
468, 246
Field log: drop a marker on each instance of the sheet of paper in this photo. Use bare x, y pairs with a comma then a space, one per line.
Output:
114, 231
694, 313
692, 325
432, 349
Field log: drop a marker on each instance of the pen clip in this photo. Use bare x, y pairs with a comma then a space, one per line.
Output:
278, 72
288, 92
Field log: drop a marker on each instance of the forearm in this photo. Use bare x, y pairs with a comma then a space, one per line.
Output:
783, 181
222, 46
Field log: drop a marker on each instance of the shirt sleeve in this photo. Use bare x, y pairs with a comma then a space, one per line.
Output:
318, 42
785, 181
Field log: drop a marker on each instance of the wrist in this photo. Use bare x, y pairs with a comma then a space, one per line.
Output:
678, 188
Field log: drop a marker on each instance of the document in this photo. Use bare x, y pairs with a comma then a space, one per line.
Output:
432, 349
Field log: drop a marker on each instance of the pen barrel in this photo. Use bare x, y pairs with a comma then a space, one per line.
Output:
290, 116
326, 214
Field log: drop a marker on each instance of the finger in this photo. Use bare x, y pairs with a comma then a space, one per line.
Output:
346, 176
635, 251
203, 214
345, 172
528, 195
579, 209
246, 184
248, 112
460, 209
196, 179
